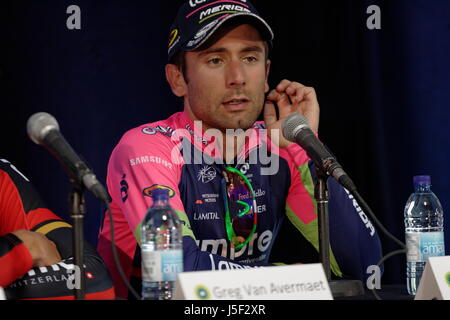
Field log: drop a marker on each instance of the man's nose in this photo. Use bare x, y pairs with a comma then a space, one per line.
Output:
235, 74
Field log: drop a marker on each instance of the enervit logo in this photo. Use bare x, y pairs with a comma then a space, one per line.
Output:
202, 292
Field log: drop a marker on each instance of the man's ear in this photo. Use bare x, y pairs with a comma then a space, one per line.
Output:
266, 86
176, 81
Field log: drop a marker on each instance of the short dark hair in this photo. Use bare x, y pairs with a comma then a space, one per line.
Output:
179, 59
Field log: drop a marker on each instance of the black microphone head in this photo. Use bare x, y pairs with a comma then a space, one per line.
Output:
39, 125
293, 124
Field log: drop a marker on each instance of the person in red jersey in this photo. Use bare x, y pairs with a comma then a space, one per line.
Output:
36, 259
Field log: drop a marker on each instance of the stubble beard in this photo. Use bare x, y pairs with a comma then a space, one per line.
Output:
230, 120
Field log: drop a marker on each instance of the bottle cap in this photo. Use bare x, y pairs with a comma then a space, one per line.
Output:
160, 193
421, 181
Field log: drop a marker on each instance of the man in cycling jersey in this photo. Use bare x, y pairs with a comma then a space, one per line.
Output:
218, 64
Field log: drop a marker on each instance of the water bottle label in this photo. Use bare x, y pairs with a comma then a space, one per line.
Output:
161, 265
422, 245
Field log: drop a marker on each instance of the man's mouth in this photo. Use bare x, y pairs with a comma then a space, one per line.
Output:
236, 104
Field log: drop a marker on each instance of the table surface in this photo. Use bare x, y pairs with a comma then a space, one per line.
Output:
387, 292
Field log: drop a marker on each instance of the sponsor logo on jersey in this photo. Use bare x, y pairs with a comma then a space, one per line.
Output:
150, 159
261, 208
167, 131
245, 167
227, 265
124, 188
206, 174
361, 214
59, 272
258, 151
210, 197
148, 191
198, 127
254, 251
260, 192
206, 216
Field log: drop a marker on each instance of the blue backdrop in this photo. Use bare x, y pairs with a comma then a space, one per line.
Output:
384, 94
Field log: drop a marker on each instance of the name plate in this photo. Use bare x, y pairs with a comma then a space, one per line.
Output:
435, 281
294, 282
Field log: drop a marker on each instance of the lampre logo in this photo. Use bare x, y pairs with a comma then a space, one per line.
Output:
255, 248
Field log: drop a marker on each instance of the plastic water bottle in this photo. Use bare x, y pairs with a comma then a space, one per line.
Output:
424, 226
161, 248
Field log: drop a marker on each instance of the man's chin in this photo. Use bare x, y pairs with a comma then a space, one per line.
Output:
242, 124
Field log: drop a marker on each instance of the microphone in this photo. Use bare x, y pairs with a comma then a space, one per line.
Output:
43, 129
296, 129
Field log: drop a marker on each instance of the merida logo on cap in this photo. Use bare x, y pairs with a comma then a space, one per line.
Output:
221, 10
220, 6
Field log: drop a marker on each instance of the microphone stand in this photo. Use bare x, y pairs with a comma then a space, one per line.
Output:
339, 288
77, 210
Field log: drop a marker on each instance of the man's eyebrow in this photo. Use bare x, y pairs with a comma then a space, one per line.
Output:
252, 49
221, 50
210, 51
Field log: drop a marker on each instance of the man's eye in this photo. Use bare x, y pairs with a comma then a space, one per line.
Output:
251, 59
214, 61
